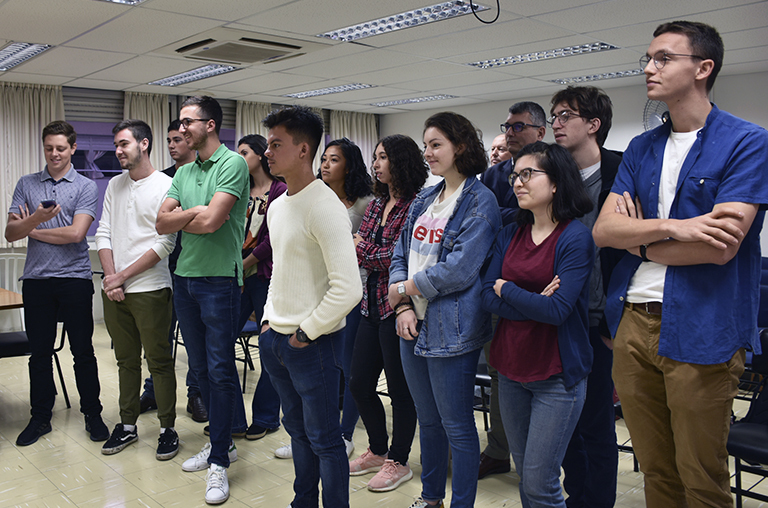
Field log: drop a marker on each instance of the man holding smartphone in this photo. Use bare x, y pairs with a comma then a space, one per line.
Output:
57, 279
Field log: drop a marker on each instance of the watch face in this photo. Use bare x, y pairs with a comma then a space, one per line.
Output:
401, 289
301, 335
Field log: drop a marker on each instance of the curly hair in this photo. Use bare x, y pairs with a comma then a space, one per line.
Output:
258, 144
407, 167
571, 199
357, 181
473, 159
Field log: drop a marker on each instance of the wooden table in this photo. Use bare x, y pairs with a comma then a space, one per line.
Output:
10, 300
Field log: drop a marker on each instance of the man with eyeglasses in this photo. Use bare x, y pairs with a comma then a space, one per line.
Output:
207, 200
525, 125
581, 118
687, 206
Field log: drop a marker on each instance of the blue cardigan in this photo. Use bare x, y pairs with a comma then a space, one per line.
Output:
567, 308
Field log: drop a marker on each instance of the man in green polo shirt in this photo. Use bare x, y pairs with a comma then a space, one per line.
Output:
208, 201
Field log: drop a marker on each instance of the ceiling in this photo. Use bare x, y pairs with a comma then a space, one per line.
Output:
117, 47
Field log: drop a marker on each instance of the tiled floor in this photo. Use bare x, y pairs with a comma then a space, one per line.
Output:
64, 468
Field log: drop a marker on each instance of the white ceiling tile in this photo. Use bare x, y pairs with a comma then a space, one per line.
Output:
143, 69
72, 61
230, 10
22, 77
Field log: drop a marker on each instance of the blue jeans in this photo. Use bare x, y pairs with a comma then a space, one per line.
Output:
349, 414
265, 406
307, 381
443, 390
207, 308
592, 460
539, 418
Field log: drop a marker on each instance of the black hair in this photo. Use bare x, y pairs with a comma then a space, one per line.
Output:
357, 180
60, 127
139, 129
175, 125
705, 42
407, 168
209, 108
571, 199
303, 124
258, 144
538, 117
471, 157
590, 102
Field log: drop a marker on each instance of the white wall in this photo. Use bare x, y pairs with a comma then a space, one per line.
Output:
742, 95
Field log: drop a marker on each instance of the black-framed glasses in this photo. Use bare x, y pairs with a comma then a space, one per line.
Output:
517, 126
563, 116
524, 175
186, 122
661, 58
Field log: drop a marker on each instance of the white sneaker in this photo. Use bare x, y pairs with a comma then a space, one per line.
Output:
200, 461
284, 452
349, 445
217, 488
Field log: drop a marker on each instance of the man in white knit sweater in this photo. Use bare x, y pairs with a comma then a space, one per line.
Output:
315, 284
137, 286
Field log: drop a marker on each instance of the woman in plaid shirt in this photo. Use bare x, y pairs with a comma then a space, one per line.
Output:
400, 173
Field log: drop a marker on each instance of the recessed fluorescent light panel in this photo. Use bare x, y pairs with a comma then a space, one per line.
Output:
597, 77
18, 52
125, 2
544, 55
413, 100
327, 91
207, 71
422, 16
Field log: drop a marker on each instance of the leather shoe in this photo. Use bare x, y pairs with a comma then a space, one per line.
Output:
196, 407
146, 403
489, 465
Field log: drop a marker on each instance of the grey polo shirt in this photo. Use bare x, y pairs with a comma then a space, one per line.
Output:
76, 194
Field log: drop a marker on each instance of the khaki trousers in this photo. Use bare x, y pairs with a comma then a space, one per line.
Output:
678, 416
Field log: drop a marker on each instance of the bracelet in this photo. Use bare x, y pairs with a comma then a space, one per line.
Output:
403, 303
644, 252
401, 310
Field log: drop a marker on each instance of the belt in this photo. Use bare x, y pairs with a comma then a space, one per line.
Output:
653, 308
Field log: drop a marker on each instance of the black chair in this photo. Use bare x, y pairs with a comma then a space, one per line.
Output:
17, 344
250, 330
484, 382
748, 437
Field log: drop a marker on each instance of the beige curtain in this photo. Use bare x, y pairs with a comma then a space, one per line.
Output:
155, 110
321, 146
24, 110
248, 117
360, 128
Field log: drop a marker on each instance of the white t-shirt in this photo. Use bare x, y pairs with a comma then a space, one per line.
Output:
425, 241
647, 284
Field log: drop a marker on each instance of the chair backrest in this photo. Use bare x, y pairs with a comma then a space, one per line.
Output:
758, 408
11, 268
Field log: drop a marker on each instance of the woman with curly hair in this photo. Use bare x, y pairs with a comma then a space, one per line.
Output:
435, 292
344, 171
400, 173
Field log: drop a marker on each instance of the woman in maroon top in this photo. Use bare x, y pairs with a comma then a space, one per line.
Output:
400, 172
537, 282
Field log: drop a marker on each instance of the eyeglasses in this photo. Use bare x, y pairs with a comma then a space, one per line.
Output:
186, 122
517, 126
524, 175
563, 116
660, 59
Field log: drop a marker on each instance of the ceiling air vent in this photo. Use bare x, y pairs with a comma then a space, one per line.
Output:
230, 46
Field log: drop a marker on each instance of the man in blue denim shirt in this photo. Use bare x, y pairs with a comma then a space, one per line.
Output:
688, 205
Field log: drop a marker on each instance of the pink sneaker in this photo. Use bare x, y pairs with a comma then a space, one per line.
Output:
390, 476
368, 462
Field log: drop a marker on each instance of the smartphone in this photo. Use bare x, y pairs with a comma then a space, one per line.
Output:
48, 203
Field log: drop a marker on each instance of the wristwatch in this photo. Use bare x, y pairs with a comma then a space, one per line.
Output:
301, 336
401, 289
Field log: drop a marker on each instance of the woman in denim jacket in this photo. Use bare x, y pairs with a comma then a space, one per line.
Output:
435, 291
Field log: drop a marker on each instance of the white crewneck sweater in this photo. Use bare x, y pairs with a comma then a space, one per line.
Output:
315, 279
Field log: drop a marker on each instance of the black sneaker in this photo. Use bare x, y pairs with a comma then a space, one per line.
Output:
119, 439
94, 426
167, 445
207, 432
35, 429
146, 403
255, 432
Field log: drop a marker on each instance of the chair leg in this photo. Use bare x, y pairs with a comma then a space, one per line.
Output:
61, 379
737, 463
